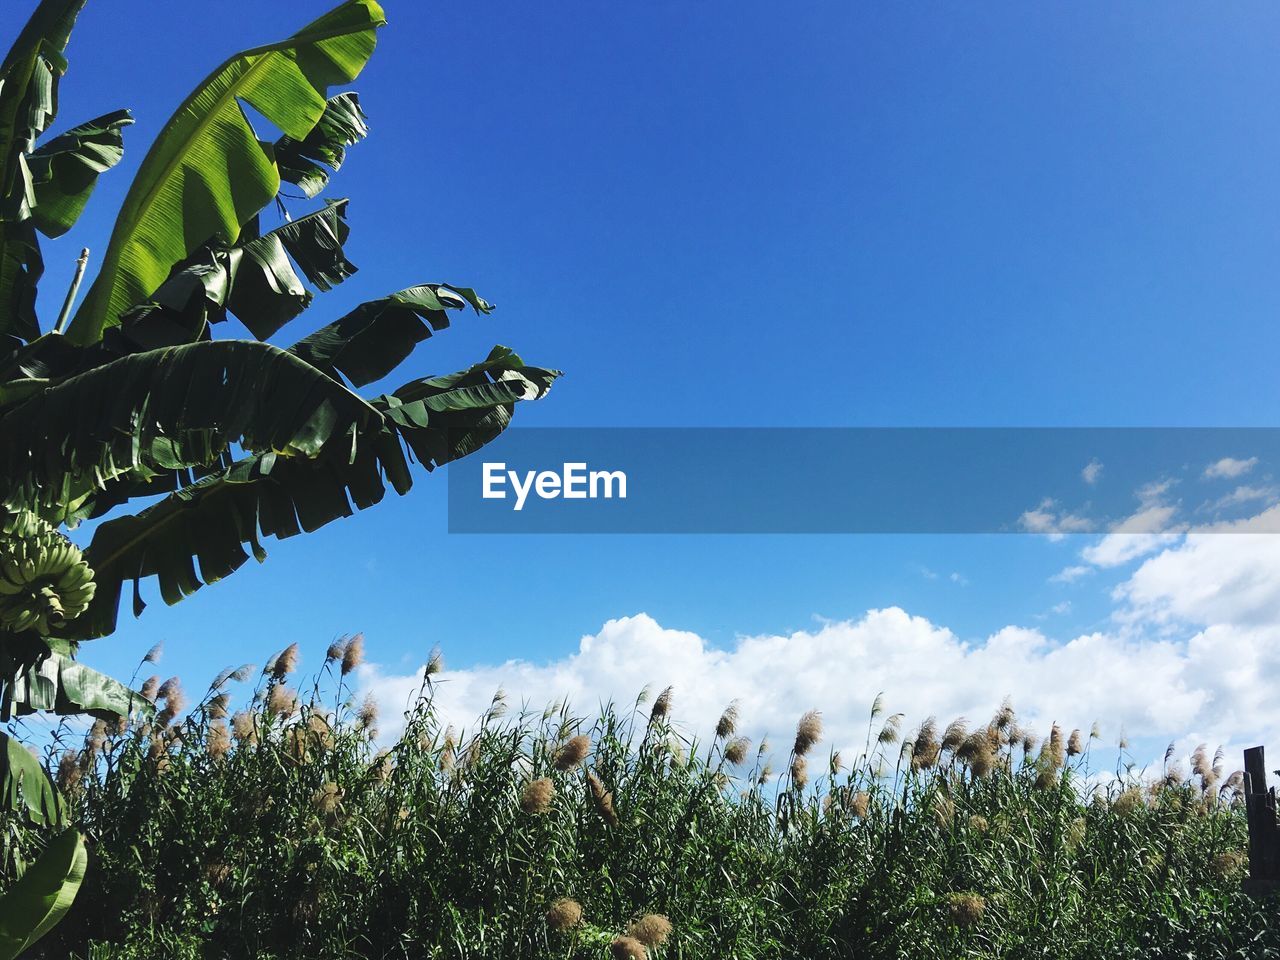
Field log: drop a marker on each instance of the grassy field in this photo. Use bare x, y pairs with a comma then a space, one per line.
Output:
281, 831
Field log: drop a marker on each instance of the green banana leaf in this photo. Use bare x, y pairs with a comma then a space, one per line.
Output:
211, 521
255, 280
42, 896
28, 103
65, 686
169, 409
303, 162
371, 340
25, 787
65, 170
208, 174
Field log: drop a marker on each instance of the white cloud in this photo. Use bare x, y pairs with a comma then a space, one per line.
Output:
1092, 472
1229, 468
1192, 654
1070, 574
1055, 524
1061, 608
959, 578
1242, 495
1150, 687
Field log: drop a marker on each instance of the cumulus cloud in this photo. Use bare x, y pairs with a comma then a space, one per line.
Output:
1047, 519
1092, 472
1191, 652
1229, 468
1071, 574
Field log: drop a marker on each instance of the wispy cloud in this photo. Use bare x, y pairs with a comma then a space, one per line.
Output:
1092, 472
1047, 519
1229, 468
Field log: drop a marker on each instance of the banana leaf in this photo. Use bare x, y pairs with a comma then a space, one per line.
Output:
208, 524
208, 174
25, 787
42, 896
65, 170
28, 103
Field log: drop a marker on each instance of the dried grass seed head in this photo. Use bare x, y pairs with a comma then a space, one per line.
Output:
652, 930
808, 732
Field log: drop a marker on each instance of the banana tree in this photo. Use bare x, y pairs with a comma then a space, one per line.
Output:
132, 395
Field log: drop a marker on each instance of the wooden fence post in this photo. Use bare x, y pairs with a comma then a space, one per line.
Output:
1264, 830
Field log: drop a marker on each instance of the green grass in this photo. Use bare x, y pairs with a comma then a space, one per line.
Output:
297, 839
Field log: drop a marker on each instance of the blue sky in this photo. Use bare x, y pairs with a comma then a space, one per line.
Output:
725, 214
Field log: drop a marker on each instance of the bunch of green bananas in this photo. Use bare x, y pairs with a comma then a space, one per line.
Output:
44, 581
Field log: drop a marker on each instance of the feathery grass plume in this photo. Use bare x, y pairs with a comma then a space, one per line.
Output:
96, 739
435, 663
877, 705
285, 662
1230, 864
572, 752
1218, 756
627, 948
497, 706
978, 824
661, 706
652, 930
282, 702
1168, 753
149, 688
244, 727
448, 748
221, 679
1128, 802
1095, 731
1075, 744
1075, 833
171, 691
325, 801
925, 747
955, 734
537, 795
1054, 745
799, 772
564, 915
602, 798
383, 766
728, 722
1005, 716
891, 730
1234, 784
966, 909
217, 873
1201, 766
977, 753
218, 740
153, 655
334, 650
120, 725
319, 732
859, 804
352, 653
736, 750
944, 810
69, 771
216, 708
368, 715
244, 672
765, 773
808, 732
